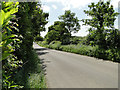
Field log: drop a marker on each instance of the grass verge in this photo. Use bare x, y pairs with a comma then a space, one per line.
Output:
31, 74
93, 51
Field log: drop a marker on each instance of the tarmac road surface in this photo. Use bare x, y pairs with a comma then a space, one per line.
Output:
68, 70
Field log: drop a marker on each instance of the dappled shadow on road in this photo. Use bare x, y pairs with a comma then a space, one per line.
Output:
43, 62
41, 49
41, 53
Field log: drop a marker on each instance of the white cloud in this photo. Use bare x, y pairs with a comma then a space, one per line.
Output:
82, 32
46, 8
54, 6
71, 3
115, 3
66, 8
68, 4
79, 3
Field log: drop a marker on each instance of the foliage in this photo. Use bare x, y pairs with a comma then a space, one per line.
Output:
38, 38
81, 49
102, 31
24, 15
51, 36
71, 22
43, 44
31, 75
10, 62
61, 30
114, 57
77, 40
57, 32
102, 22
55, 44
17, 39
78, 49
39, 20
31, 20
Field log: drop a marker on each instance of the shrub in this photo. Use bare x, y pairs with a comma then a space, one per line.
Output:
113, 55
79, 49
55, 44
38, 38
100, 53
43, 44
93, 51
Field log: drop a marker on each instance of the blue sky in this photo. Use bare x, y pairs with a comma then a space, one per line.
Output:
58, 7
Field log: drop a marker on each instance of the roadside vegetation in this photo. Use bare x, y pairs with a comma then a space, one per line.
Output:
20, 24
103, 40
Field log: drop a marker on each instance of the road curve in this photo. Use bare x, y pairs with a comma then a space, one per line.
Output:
68, 70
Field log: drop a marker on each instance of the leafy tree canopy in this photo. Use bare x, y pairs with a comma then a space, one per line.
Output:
102, 23
39, 20
57, 32
71, 22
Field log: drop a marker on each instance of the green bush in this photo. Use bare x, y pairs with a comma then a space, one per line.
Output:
93, 51
55, 44
43, 44
77, 40
78, 49
113, 55
100, 53
38, 38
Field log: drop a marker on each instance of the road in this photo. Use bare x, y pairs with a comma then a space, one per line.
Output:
68, 70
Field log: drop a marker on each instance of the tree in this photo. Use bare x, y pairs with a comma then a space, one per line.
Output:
102, 22
102, 31
31, 20
39, 20
71, 22
24, 15
62, 29
58, 32
52, 36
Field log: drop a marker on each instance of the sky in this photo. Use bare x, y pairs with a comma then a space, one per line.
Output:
55, 8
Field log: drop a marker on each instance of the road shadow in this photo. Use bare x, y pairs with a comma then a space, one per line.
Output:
41, 49
43, 63
41, 53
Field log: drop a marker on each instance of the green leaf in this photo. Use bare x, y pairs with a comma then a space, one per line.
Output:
5, 54
2, 13
14, 86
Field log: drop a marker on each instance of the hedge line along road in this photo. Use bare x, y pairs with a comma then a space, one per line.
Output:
68, 70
